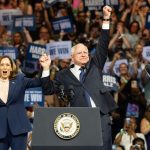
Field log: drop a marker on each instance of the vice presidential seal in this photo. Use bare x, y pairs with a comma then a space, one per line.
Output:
66, 126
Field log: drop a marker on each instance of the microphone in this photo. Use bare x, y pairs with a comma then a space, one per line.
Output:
61, 93
147, 68
70, 92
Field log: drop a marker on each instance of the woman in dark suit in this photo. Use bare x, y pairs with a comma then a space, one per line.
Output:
14, 124
89, 91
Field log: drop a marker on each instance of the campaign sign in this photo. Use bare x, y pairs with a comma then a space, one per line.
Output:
98, 4
49, 3
132, 110
62, 23
20, 22
111, 2
146, 53
147, 24
9, 51
33, 96
7, 15
60, 50
34, 51
110, 82
94, 4
30, 66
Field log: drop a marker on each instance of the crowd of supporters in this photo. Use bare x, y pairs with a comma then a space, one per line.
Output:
129, 35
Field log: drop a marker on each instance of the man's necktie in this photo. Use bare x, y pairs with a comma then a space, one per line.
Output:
82, 73
87, 96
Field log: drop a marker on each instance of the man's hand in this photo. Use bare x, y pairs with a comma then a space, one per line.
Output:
45, 61
107, 12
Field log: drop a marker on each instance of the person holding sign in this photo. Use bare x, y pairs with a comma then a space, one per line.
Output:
14, 124
84, 76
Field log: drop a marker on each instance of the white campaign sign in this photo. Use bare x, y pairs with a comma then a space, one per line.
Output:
6, 16
60, 50
146, 53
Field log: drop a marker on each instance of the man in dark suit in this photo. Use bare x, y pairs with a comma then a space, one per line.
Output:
90, 92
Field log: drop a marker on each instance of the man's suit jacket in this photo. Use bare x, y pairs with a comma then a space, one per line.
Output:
13, 113
92, 81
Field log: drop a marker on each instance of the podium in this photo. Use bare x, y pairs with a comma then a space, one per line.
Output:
45, 136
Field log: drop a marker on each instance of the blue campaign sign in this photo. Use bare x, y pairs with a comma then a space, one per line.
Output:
93, 5
9, 51
34, 51
31, 66
33, 96
110, 82
62, 23
25, 21
147, 24
98, 4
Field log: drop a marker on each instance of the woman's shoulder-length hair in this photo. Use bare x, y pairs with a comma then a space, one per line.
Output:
14, 71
